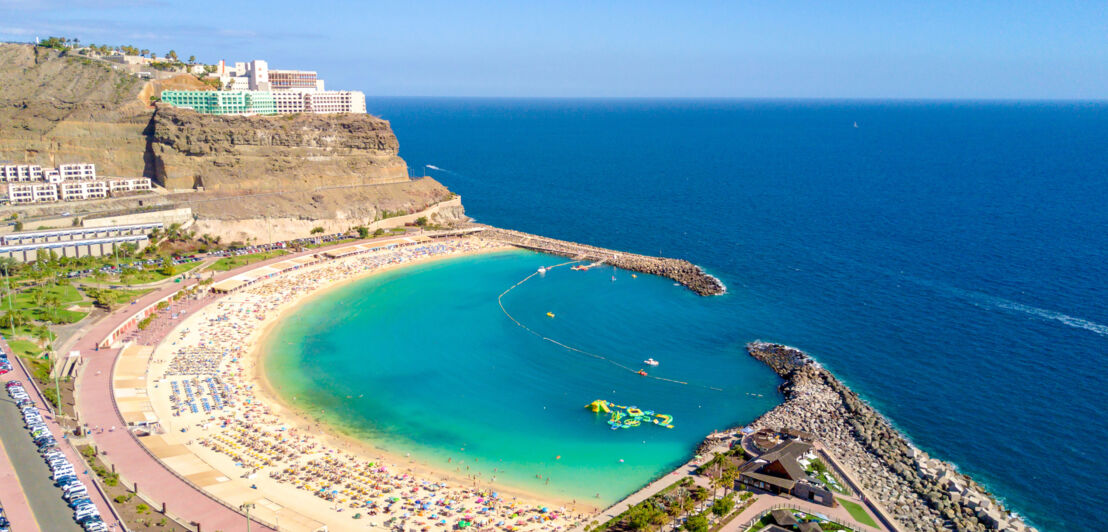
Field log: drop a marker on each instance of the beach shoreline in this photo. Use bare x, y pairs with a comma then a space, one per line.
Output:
334, 433
265, 412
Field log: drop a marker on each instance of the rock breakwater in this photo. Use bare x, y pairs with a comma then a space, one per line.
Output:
681, 271
921, 493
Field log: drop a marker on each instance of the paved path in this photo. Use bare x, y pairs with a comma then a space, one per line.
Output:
50, 510
97, 408
12, 499
687, 470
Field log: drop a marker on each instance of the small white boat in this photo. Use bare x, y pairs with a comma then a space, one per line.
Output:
650, 362
542, 269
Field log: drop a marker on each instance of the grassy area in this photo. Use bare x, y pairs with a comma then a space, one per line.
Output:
857, 512
25, 300
24, 348
132, 277
39, 368
826, 477
331, 243
121, 297
230, 263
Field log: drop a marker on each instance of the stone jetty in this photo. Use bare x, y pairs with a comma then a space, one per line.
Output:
681, 271
921, 493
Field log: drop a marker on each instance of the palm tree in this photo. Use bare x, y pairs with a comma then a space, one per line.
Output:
13, 319
38, 296
100, 277
42, 334
55, 305
728, 478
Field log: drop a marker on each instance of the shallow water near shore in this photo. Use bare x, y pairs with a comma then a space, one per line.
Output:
423, 360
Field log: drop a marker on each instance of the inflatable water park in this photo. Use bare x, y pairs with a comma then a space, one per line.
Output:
625, 417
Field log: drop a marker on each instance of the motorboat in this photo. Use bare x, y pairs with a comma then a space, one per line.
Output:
650, 362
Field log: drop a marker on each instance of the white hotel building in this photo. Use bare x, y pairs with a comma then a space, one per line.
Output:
13, 173
294, 91
296, 101
69, 182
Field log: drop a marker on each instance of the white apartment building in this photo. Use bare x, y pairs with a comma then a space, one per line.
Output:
295, 101
83, 190
32, 192
77, 172
335, 102
137, 184
13, 173
70, 190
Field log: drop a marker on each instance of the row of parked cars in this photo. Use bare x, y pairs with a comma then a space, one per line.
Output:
5, 364
63, 472
136, 265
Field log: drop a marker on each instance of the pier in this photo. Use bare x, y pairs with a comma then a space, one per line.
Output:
681, 271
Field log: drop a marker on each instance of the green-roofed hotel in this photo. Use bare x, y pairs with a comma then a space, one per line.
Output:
223, 102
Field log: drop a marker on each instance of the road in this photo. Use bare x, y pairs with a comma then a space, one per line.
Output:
45, 499
12, 499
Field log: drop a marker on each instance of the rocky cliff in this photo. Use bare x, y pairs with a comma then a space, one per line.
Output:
59, 108
268, 153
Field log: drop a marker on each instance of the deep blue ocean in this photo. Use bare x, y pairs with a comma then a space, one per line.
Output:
947, 260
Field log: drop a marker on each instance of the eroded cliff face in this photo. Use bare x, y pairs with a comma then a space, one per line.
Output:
270, 153
60, 108
57, 109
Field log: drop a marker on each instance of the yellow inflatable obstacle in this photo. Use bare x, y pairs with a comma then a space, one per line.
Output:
625, 417
599, 406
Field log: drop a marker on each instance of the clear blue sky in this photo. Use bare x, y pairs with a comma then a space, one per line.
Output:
817, 49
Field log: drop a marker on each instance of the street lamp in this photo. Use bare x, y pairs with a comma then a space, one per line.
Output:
246, 507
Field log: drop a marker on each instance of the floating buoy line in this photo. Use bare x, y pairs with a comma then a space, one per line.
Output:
640, 372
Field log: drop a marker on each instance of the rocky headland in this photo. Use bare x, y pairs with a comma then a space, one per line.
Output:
271, 153
921, 493
239, 174
682, 271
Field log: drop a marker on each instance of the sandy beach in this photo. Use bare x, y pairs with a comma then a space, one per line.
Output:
207, 386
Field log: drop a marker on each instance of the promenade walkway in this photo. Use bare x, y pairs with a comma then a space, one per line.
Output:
97, 409
686, 470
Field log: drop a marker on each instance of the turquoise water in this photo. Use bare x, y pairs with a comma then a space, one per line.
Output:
423, 360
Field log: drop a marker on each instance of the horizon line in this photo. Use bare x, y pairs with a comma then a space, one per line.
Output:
760, 98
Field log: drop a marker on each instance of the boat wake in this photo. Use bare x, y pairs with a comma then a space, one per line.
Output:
982, 299
1072, 321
